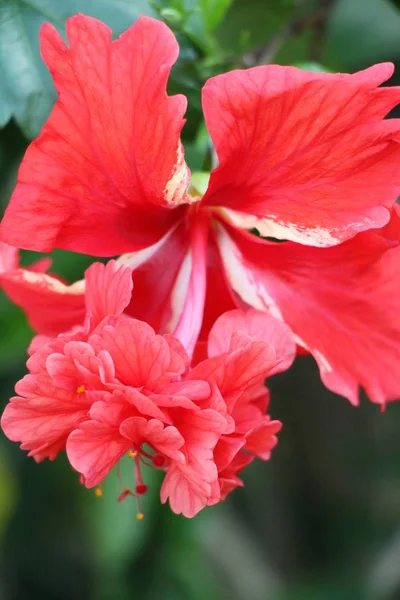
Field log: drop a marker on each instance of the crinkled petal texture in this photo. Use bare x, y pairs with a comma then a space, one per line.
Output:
108, 291
43, 415
342, 303
304, 156
238, 364
236, 328
115, 385
58, 392
141, 358
107, 173
50, 305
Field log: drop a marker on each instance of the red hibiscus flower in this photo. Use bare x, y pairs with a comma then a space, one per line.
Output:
114, 387
306, 158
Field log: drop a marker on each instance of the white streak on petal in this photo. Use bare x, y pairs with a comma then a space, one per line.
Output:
133, 260
241, 279
179, 293
271, 227
322, 361
47, 281
175, 190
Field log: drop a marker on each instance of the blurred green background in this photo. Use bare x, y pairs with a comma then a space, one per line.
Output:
322, 519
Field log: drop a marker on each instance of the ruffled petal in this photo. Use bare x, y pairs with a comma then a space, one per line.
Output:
51, 306
43, 419
304, 156
107, 171
108, 291
342, 303
94, 449
141, 357
165, 439
236, 328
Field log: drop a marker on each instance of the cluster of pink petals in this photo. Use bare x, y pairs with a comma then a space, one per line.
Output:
113, 385
306, 158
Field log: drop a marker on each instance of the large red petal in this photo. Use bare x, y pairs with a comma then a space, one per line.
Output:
9, 258
107, 170
170, 280
51, 306
304, 156
342, 303
189, 325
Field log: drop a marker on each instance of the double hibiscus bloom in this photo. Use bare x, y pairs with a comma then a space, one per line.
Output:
306, 159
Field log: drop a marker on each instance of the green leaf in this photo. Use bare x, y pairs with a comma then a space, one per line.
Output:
249, 24
312, 66
8, 490
117, 535
213, 12
361, 33
5, 104
199, 182
26, 89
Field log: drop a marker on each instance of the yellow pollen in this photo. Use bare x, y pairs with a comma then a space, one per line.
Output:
140, 516
132, 453
80, 389
98, 492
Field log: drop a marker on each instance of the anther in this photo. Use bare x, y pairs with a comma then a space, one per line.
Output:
132, 453
81, 389
140, 516
99, 492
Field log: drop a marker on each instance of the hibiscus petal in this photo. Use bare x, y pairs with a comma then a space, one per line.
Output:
226, 449
141, 357
219, 298
164, 439
94, 449
187, 493
51, 306
235, 372
180, 359
143, 404
228, 477
107, 169
192, 389
190, 322
164, 267
9, 258
43, 420
108, 290
261, 440
342, 303
236, 328
304, 156
176, 268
